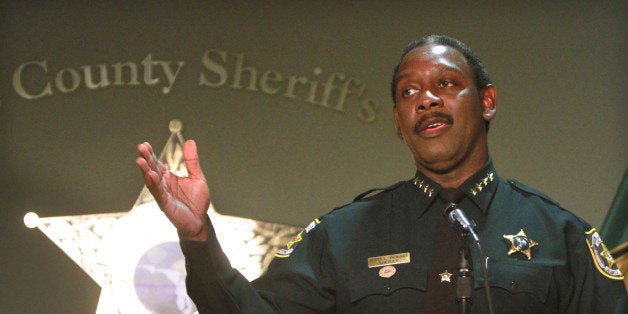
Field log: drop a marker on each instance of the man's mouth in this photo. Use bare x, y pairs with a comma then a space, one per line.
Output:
435, 125
432, 123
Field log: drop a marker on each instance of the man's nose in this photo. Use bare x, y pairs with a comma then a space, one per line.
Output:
429, 100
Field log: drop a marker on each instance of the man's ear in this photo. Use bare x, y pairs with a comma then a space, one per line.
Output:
489, 102
396, 117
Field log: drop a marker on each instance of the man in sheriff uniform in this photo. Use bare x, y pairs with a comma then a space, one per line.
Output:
394, 251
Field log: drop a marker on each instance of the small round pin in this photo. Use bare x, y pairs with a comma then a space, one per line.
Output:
387, 271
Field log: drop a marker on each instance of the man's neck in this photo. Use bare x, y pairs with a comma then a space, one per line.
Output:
455, 177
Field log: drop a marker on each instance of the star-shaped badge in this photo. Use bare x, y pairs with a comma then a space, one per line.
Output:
520, 243
445, 276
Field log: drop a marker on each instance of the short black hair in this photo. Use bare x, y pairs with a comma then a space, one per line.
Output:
482, 79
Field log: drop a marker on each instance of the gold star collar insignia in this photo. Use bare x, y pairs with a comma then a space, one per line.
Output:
520, 243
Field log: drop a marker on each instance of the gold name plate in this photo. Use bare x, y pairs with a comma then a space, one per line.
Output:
399, 258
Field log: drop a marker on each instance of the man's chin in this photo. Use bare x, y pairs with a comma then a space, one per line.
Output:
436, 166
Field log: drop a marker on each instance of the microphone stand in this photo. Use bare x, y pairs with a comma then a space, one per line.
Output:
464, 288
464, 283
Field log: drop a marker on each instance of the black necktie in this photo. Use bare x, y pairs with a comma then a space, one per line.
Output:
441, 293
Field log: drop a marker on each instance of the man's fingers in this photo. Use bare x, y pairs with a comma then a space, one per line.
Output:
146, 152
150, 177
153, 181
149, 166
191, 160
141, 162
145, 149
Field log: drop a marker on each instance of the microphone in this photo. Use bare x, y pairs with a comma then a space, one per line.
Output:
460, 221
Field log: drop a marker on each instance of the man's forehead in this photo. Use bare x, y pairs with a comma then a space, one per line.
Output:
438, 49
444, 55
435, 51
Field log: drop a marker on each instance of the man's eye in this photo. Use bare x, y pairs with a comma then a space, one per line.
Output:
408, 91
446, 83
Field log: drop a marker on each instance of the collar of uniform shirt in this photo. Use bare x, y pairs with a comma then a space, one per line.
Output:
480, 188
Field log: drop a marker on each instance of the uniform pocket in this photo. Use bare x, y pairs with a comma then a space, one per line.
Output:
519, 277
365, 282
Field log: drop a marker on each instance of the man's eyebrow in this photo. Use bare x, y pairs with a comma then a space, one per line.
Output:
402, 75
449, 68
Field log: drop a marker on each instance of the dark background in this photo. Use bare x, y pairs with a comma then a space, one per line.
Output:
559, 68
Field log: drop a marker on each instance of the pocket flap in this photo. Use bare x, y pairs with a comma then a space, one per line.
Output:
519, 277
367, 281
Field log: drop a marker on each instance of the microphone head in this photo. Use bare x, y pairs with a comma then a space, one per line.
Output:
458, 219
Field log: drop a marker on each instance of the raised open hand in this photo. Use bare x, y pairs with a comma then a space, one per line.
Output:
184, 200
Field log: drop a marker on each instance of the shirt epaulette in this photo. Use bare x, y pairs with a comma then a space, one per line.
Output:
376, 191
528, 190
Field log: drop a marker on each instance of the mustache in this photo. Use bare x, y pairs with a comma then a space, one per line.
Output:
437, 114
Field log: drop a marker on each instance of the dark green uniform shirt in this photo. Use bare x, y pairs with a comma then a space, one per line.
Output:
325, 269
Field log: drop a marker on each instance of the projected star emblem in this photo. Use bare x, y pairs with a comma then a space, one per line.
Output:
135, 256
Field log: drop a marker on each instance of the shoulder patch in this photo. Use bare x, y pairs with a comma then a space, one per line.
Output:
602, 258
292, 244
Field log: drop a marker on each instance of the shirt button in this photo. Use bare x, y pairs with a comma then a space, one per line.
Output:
513, 284
387, 288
